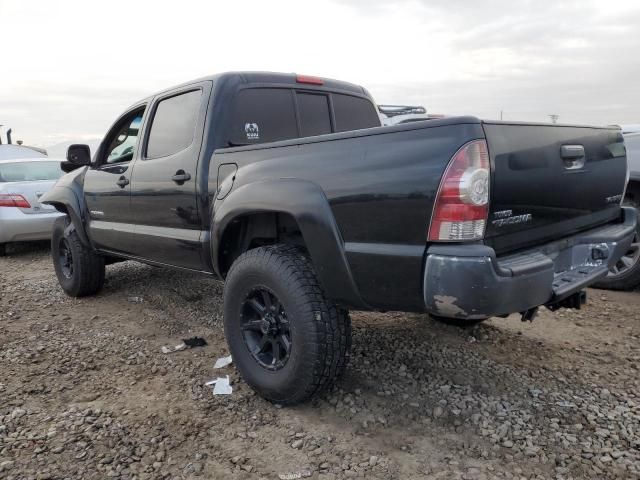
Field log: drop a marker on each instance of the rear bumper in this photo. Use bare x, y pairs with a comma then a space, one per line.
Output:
16, 226
470, 282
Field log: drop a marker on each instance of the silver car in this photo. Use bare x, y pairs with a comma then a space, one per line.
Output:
22, 216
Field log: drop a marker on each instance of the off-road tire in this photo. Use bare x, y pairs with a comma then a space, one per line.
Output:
628, 279
87, 274
3, 249
320, 332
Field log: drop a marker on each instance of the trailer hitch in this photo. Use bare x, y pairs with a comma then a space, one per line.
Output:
574, 301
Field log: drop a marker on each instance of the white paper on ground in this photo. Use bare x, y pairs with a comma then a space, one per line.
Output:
223, 362
222, 386
177, 348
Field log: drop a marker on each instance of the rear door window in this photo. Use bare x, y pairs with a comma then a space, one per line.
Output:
313, 110
263, 115
353, 113
174, 124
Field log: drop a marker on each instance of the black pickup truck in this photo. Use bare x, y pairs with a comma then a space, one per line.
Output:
288, 188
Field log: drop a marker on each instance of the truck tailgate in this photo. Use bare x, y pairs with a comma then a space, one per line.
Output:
550, 181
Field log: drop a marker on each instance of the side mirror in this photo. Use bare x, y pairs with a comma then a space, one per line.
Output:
78, 155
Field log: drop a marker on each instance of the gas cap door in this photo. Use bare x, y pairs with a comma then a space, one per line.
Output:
226, 177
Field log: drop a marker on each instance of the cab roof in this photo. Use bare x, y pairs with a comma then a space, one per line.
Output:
292, 79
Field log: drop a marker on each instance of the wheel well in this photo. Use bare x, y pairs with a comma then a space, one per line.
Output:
255, 230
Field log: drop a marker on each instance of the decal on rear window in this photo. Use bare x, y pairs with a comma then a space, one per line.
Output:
252, 131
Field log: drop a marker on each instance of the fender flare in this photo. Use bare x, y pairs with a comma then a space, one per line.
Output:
67, 196
307, 204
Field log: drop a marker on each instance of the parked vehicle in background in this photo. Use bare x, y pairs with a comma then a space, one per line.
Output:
625, 274
12, 152
398, 114
22, 182
289, 189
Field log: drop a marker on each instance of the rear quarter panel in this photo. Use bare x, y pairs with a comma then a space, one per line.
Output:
380, 184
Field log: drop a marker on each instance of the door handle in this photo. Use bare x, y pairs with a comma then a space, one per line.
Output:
181, 176
122, 182
569, 152
573, 156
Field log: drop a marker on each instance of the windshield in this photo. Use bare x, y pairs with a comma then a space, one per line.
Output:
29, 171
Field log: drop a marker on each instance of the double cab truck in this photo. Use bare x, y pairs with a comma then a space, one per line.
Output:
289, 189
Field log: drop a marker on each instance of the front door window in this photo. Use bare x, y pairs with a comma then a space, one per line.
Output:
122, 143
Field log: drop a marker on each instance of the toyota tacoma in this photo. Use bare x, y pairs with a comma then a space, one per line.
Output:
289, 189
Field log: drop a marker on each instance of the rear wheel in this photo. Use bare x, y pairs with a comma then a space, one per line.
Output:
287, 340
625, 274
79, 270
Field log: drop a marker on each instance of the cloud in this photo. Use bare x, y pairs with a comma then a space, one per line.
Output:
531, 59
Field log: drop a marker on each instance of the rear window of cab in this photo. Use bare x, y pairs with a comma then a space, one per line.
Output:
261, 115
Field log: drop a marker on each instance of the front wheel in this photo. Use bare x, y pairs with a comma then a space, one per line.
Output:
287, 340
80, 271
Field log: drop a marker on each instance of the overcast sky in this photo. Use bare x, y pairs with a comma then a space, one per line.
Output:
68, 68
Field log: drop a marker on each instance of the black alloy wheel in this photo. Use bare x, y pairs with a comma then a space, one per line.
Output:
65, 258
265, 329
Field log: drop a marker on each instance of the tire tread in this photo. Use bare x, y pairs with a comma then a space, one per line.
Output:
333, 339
90, 266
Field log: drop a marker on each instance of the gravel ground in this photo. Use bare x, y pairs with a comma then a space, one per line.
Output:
85, 391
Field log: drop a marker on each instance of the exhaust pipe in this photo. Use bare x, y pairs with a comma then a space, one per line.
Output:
9, 136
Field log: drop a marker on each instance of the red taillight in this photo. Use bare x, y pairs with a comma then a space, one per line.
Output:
309, 80
462, 204
13, 200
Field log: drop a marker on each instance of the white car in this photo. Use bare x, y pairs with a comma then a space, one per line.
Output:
11, 152
22, 216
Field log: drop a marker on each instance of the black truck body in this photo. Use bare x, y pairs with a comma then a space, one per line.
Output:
275, 159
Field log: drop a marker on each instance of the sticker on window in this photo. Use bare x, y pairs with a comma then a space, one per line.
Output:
252, 131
